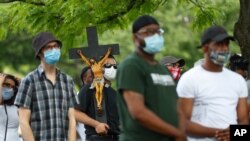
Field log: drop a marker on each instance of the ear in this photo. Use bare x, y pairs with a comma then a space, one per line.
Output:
135, 40
205, 48
40, 55
134, 37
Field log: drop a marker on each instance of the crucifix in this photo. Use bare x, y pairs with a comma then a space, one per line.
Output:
91, 56
94, 50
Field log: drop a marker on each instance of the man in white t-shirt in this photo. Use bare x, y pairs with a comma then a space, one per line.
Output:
211, 96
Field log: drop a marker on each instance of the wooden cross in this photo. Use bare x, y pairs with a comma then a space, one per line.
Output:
87, 54
94, 50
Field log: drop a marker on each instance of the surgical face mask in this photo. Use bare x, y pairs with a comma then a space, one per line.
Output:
110, 73
7, 93
153, 44
219, 58
52, 56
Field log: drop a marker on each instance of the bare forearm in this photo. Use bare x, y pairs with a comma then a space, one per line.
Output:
151, 121
199, 130
72, 125
24, 119
27, 134
84, 118
244, 121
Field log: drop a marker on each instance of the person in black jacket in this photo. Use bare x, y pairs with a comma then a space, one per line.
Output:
102, 126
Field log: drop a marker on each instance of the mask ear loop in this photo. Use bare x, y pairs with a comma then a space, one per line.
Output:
141, 39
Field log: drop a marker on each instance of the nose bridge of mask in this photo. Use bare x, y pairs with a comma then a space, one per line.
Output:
152, 37
52, 51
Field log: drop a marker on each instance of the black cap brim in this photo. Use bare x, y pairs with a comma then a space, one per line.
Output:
219, 38
222, 37
172, 60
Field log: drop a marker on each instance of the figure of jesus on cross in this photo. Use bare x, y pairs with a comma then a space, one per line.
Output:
96, 68
91, 56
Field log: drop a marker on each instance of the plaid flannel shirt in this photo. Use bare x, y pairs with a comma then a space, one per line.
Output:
49, 104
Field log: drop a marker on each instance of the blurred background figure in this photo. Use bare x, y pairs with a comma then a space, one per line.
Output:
8, 111
86, 75
240, 65
99, 125
87, 79
174, 65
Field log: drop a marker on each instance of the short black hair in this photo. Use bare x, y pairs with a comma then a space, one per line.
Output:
143, 21
84, 70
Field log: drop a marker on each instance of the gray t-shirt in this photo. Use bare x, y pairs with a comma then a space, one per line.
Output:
12, 132
248, 87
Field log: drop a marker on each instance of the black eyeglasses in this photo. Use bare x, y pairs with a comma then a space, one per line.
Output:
110, 65
49, 47
151, 31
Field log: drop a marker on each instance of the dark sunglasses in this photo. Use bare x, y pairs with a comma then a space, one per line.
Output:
110, 65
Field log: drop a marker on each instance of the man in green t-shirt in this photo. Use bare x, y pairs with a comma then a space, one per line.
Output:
147, 99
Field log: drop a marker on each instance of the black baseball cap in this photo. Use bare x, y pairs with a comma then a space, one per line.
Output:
214, 33
142, 21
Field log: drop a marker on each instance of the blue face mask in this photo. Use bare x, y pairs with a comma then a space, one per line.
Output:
219, 58
153, 44
7, 93
52, 56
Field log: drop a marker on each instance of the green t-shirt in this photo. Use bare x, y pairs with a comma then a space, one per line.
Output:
159, 90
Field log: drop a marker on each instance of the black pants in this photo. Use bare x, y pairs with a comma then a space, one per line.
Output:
102, 138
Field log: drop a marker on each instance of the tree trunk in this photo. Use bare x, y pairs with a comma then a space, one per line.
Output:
242, 29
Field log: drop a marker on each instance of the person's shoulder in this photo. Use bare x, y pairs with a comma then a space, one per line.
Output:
86, 88
111, 89
235, 76
231, 73
193, 70
31, 75
130, 60
65, 75
191, 74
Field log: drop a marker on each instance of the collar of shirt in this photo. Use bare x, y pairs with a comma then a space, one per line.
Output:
41, 70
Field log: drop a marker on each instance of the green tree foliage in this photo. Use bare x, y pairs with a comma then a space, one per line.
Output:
68, 18
182, 20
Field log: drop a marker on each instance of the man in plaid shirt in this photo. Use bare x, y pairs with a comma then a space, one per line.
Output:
46, 97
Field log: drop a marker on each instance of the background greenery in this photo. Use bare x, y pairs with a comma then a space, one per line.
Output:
182, 20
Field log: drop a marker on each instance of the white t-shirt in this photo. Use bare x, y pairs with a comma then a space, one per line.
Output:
215, 95
13, 123
81, 131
